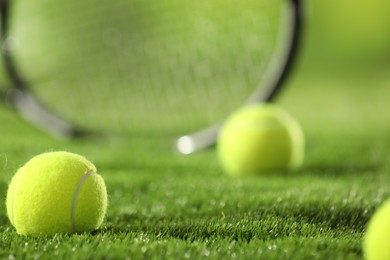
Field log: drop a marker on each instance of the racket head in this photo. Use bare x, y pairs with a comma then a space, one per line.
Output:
134, 67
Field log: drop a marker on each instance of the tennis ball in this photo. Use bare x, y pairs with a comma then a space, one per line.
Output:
377, 237
260, 138
56, 192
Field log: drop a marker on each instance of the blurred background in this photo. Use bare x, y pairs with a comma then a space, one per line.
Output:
342, 71
343, 74
348, 33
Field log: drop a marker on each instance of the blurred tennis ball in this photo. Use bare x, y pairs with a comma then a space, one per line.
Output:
376, 240
260, 138
56, 192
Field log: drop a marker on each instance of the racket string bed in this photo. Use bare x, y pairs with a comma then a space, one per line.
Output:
145, 67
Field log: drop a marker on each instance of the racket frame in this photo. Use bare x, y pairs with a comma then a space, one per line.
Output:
276, 75
20, 96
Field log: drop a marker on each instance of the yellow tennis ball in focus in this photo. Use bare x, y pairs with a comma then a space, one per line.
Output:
260, 138
56, 192
377, 237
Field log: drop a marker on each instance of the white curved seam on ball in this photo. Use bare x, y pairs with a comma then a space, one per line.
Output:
75, 197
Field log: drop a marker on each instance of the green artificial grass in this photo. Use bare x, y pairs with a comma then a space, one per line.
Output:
166, 205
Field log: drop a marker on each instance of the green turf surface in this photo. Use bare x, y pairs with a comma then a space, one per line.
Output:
165, 205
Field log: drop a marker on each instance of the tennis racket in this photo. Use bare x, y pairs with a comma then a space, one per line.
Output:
162, 67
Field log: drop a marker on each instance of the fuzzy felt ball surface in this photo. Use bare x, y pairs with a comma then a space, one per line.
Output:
377, 237
260, 138
56, 192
